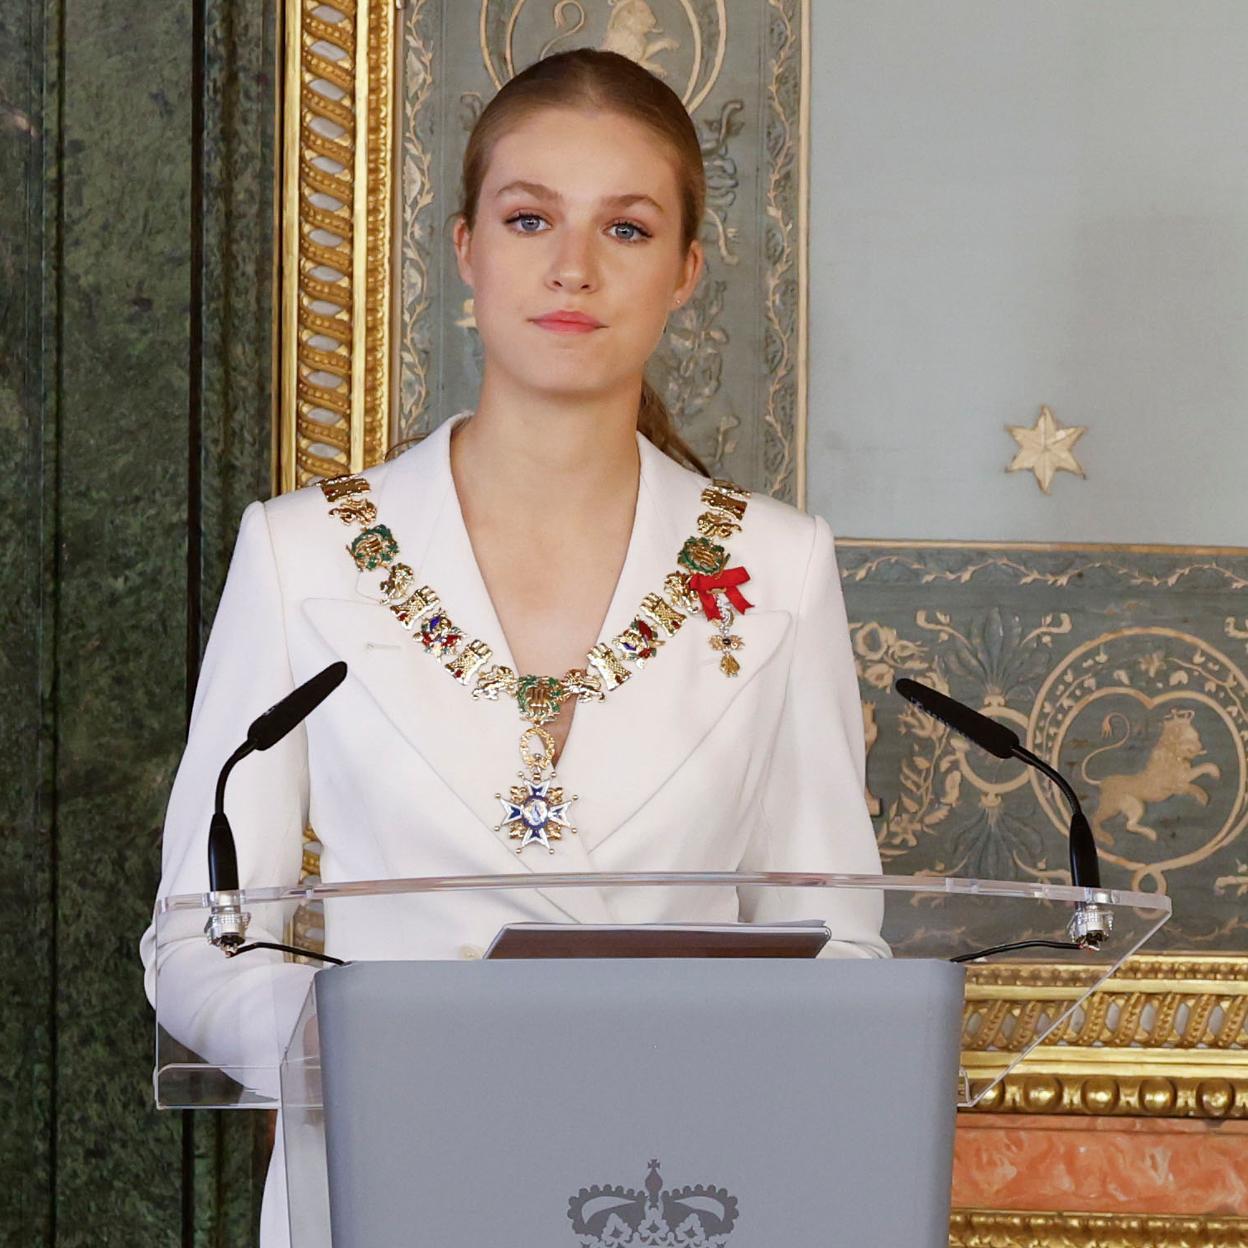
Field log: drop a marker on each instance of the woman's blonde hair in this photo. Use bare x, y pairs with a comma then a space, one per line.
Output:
606, 82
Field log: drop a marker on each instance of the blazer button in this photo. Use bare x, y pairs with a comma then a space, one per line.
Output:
471, 951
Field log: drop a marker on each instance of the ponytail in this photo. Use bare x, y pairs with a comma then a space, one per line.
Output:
655, 423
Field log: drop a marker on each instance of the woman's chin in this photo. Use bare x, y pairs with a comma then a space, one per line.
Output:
558, 373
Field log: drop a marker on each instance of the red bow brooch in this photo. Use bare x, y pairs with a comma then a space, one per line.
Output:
710, 579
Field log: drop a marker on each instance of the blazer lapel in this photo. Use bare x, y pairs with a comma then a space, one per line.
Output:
621, 751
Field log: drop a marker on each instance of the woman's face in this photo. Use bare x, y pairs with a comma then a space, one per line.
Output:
579, 211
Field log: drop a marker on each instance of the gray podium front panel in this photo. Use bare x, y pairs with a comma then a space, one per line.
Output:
748, 1103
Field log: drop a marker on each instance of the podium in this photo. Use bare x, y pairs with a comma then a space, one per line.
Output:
429, 1096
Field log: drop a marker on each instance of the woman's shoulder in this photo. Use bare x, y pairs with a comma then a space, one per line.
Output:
773, 520
296, 508
769, 517
308, 530
777, 543
783, 548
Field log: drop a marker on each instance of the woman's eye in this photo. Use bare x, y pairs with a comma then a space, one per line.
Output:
524, 216
639, 232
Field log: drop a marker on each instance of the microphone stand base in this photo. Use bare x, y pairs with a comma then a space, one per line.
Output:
227, 928
1090, 925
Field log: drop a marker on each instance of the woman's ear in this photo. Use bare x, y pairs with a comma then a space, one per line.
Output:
461, 237
692, 271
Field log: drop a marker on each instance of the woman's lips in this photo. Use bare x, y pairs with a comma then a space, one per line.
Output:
565, 327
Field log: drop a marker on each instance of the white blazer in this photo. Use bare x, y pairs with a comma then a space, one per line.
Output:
679, 769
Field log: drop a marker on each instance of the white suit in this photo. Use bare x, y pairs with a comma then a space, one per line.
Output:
679, 769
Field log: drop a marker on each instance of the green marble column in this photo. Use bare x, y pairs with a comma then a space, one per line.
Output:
135, 411
227, 1153
27, 559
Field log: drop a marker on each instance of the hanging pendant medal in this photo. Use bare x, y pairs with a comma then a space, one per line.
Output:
726, 641
535, 810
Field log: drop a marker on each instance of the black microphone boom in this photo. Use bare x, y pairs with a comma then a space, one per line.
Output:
989, 735
227, 924
1003, 742
295, 707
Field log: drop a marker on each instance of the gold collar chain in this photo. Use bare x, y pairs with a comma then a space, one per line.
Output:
535, 810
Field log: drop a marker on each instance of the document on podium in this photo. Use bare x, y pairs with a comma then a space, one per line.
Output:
801, 939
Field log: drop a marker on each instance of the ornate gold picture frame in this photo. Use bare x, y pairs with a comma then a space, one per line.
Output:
336, 228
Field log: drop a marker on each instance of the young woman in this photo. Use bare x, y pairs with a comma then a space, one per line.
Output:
547, 581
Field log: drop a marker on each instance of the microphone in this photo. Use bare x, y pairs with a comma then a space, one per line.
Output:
1090, 924
227, 924
986, 733
295, 707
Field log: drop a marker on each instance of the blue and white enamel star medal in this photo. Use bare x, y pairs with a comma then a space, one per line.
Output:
534, 810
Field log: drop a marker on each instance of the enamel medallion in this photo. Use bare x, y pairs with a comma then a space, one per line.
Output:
534, 812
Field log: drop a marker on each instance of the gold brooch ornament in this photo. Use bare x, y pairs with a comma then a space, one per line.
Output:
335, 488
535, 810
399, 583
495, 682
373, 548
355, 510
463, 664
539, 698
717, 586
702, 556
676, 587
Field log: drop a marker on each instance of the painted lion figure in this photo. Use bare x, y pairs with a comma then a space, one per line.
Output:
1169, 772
633, 30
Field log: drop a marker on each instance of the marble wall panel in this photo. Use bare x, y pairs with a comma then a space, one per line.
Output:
238, 289
119, 697
27, 1042
1146, 1166
136, 246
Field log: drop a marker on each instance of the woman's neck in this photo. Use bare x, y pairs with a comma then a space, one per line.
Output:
573, 457
548, 497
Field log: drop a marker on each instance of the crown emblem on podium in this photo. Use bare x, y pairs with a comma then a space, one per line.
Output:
619, 1217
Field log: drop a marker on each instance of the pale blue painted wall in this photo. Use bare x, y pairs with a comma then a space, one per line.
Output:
1018, 203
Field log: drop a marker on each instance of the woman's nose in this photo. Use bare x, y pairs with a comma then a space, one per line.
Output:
572, 266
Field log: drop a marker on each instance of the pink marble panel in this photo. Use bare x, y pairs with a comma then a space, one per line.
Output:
1105, 1165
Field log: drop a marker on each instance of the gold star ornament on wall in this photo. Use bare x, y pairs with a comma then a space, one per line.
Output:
1046, 449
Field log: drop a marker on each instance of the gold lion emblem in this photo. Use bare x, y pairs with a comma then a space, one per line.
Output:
1169, 772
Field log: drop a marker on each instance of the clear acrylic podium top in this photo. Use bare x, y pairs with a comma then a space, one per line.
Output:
223, 1024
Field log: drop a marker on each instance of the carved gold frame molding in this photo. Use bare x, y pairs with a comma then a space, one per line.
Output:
1000, 1228
337, 188
1165, 1037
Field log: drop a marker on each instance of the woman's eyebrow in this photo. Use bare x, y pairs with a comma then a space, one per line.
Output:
539, 191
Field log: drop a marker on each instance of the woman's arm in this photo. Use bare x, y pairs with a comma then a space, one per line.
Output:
814, 806
236, 1012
